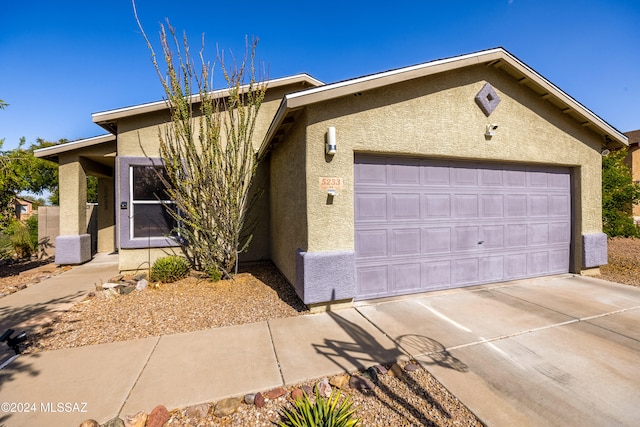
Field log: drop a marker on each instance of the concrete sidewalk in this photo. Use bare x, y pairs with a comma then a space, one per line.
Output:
552, 351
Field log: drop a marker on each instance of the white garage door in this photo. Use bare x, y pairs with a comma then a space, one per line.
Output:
423, 224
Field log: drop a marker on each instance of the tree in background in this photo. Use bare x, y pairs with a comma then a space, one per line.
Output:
21, 172
3, 105
619, 194
207, 151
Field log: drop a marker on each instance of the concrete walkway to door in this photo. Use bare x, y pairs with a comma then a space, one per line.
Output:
558, 351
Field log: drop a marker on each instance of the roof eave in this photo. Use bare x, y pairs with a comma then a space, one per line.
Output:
55, 150
106, 118
491, 56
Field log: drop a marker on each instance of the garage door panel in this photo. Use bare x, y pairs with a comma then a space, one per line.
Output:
437, 274
437, 206
559, 232
466, 238
559, 205
538, 205
435, 174
492, 205
516, 205
405, 207
405, 242
370, 207
491, 177
516, 235
515, 266
406, 278
466, 271
537, 263
492, 268
436, 240
372, 280
371, 243
371, 170
405, 174
465, 176
492, 237
426, 224
538, 234
465, 206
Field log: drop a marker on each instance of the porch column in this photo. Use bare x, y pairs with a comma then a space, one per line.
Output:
73, 245
106, 215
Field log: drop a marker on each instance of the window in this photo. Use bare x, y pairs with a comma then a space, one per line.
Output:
149, 216
24, 209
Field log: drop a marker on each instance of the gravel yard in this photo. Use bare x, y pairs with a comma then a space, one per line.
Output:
624, 261
258, 293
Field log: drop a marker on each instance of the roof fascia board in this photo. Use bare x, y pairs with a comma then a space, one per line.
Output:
69, 146
119, 113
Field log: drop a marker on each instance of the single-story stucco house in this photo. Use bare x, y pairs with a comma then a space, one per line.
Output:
457, 172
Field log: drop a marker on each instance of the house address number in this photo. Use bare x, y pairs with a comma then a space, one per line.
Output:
327, 183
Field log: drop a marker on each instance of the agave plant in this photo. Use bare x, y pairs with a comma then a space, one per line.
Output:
329, 412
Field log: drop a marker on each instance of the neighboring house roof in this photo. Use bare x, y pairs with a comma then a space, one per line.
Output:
107, 119
634, 137
498, 57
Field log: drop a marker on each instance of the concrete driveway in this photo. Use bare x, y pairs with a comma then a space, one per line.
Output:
560, 351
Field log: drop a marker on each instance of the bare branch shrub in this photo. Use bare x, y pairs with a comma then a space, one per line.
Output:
207, 150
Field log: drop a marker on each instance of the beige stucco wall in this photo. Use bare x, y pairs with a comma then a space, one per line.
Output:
139, 136
288, 201
437, 117
142, 259
73, 195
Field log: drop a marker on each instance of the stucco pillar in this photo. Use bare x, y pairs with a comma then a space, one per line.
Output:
73, 245
106, 215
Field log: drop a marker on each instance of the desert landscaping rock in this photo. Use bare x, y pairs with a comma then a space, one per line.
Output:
114, 422
258, 400
142, 285
395, 371
250, 398
380, 369
158, 417
340, 381
137, 420
198, 411
226, 407
361, 383
308, 390
297, 394
324, 388
410, 367
275, 393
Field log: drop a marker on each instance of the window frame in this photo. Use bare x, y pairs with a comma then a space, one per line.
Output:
124, 166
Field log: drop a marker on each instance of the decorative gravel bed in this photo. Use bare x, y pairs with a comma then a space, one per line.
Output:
624, 261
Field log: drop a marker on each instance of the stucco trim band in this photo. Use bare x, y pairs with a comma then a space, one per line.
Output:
594, 250
73, 249
325, 276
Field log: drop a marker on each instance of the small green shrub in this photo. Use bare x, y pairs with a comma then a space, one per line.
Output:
213, 273
169, 269
20, 239
322, 413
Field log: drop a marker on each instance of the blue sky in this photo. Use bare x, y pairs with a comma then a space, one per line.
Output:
62, 61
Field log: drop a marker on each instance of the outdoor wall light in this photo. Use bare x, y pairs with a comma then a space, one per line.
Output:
330, 144
490, 130
605, 152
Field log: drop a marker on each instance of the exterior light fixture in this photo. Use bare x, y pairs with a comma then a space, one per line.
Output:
330, 145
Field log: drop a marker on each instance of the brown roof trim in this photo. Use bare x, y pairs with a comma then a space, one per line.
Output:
498, 57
